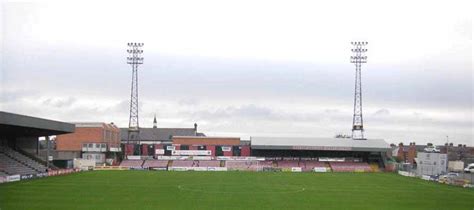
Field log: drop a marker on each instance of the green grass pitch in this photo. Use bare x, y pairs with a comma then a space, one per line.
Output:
233, 190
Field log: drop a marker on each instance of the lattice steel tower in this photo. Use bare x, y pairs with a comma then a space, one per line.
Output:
358, 58
135, 59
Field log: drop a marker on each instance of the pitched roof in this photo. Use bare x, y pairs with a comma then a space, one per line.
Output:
160, 134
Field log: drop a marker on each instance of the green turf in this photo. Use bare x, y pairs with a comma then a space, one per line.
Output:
233, 190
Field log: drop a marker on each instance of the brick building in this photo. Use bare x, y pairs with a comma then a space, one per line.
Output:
218, 146
406, 154
150, 139
95, 140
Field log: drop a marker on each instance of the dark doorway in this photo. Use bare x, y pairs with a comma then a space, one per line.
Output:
236, 150
219, 151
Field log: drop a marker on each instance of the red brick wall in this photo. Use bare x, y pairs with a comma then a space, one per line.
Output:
213, 150
144, 149
245, 151
229, 153
411, 155
400, 154
129, 149
74, 141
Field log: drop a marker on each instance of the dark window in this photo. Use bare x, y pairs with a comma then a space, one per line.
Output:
151, 149
165, 147
236, 150
184, 147
136, 149
219, 151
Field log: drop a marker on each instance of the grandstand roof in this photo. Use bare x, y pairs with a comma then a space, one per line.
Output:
318, 143
25, 126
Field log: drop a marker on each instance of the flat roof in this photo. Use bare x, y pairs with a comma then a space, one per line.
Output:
26, 126
319, 143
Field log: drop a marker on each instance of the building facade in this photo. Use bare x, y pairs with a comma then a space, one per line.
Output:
431, 163
154, 138
93, 141
215, 146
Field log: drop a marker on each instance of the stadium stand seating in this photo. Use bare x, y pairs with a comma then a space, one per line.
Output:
350, 166
132, 163
309, 165
239, 165
287, 163
185, 163
13, 162
209, 163
248, 165
155, 163
11, 166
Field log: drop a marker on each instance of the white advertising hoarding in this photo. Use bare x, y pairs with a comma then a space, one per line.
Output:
13, 178
134, 157
159, 151
226, 149
320, 169
191, 152
296, 169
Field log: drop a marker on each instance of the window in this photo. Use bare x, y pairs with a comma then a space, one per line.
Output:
236, 150
219, 151
184, 147
91, 146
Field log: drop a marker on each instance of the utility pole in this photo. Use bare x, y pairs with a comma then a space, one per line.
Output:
358, 58
447, 152
135, 59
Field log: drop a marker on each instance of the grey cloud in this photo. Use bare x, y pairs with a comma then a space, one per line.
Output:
249, 111
188, 102
60, 102
381, 113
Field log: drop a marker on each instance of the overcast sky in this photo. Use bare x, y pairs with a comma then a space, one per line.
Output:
245, 68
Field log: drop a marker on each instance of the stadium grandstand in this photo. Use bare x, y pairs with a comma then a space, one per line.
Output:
340, 154
264, 154
20, 151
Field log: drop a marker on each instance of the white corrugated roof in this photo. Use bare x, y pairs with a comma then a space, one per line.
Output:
319, 142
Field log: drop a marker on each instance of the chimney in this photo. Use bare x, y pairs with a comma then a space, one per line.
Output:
154, 122
195, 127
411, 153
